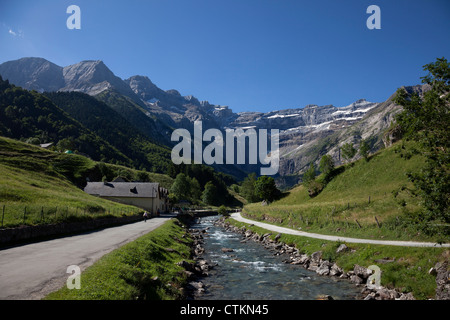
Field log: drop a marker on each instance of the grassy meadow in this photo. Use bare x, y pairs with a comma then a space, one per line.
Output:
366, 199
38, 186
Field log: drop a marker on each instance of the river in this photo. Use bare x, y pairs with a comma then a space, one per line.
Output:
251, 272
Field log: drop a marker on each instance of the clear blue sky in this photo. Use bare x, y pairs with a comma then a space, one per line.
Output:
252, 55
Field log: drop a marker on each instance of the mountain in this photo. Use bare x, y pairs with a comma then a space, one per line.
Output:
28, 115
93, 77
112, 127
306, 133
33, 74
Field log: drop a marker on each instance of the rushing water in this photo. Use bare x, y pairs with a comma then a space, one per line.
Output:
251, 272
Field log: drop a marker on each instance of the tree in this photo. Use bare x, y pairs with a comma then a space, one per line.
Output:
326, 165
309, 181
266, 189
195, 189
248, 188
180, 187
426, 120
309, 175
364, 149
348, 151
209, 195
222, 211
66, 144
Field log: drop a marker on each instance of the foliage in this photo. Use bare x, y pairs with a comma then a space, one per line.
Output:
309, 181
28, 114
309, 175
364, 149
210, 195
222, 210
266, 189
346, 198
114, 128
326, 166
247, 188
181, 187
426, 120
202, 175
348, 151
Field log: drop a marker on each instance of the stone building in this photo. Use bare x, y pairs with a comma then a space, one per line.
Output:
146, 195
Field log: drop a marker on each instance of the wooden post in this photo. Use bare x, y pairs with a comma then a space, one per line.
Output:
42, 214
378, 224
3, 214
369, 199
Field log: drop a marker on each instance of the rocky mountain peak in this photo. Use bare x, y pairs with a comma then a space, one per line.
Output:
93, 77
143, 87
90, 71
33, 73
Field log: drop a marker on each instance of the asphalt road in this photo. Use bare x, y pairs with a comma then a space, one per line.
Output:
237, 216
31, 271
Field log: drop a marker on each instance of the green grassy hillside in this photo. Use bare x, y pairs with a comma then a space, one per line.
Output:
40, 186
111, 126
359, 195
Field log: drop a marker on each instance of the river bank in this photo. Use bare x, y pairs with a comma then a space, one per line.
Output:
364, 278
235, 268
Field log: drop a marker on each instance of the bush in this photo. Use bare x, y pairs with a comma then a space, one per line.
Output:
222, 210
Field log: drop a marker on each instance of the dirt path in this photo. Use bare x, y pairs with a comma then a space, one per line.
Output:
237, 216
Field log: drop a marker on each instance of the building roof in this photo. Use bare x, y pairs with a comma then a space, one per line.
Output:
46, 145
123, 189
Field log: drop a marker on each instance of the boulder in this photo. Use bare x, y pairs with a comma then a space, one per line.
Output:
324, 268
442, 281
362, 272
386, 294
433, 271
304, 258
406, 296
316, 257
186, 265
313, 266
341, 248
335, 270
356, 279
370, 296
